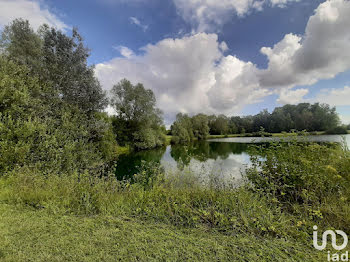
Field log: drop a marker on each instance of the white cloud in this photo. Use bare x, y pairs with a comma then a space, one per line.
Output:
334, 97
322, 53
189, 75
345, 119
192, 74
207, 15
292, 96
35, 12
137, 22
125, 51
281, 3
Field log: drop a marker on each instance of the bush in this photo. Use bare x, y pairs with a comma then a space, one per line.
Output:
300, 173
37, 129
339, 130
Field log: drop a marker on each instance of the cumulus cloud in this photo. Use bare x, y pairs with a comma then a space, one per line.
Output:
124, 51
207, 15
192, 74
189, 75
334, 97
292, 96
138, 23
321, 53
32, 10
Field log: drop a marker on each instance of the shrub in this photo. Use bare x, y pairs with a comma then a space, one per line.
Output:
339, 130
300, 173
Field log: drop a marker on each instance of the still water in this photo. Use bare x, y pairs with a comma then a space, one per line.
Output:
224, 158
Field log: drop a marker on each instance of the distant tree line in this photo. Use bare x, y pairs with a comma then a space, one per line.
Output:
289, 118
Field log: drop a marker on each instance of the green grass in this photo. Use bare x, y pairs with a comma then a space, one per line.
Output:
168, 140
36, 235
80, 217
121, 150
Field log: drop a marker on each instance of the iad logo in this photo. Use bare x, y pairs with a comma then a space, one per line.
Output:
335, 256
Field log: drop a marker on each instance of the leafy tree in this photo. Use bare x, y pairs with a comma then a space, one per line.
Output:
182, 129
54, 143
50, 103
56, 58
137, 116
21, 44
65, 66
218, 125
200, 126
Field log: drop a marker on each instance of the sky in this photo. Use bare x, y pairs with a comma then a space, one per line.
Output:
235, 57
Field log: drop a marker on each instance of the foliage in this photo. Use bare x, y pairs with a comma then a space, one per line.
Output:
182, 130
299, 173
40, 126
57, 59
21, 44
291, 188
316, 117
200, 126
219, 125
339, 130
137, 119
185, 129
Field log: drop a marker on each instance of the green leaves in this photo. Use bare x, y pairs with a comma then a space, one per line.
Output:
138, 121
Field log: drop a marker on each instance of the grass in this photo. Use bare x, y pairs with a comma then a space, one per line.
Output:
80, 217
121, 150
168, 140
27, 234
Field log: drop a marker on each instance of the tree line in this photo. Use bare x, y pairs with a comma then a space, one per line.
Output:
289, 118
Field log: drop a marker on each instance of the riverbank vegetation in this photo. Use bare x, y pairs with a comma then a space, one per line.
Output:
60, 199
296, 187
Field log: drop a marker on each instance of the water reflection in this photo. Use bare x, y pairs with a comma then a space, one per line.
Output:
201, 158
224, 158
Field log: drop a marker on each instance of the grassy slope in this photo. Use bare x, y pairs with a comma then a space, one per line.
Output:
35, 235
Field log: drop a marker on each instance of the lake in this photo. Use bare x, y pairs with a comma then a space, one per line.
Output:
223, 158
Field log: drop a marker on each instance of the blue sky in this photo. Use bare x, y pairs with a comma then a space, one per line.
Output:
207, 56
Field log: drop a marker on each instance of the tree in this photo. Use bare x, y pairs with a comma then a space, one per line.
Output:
61, 142
50, 103
65, 66
137, 115
200, 126
182, 129
218, 125
57, 58
21, 44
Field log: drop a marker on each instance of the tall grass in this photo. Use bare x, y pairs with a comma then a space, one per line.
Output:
288, 191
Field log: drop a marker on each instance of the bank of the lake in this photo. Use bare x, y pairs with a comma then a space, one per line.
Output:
216, 157
173, 217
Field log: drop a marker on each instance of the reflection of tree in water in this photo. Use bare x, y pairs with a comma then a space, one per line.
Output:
224, 150
203, 150
129, 164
